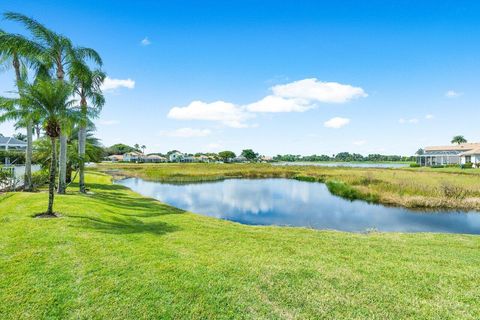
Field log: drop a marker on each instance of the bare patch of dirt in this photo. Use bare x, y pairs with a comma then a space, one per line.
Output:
47, 216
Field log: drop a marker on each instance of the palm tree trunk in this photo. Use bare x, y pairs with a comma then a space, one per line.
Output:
51, 186
62, 175
28, 153
81, 152
28, 186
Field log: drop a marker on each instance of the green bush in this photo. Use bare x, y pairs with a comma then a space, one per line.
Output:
467, 165
40, 178
437, 166
414, 165
343, 190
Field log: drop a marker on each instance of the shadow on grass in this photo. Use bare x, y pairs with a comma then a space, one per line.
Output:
123, 212
128, 225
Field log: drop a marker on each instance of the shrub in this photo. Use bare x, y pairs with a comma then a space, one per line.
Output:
414, 165
40, 178
467, 165
305, 178
8, 182
343, 190
437, 166
452, 191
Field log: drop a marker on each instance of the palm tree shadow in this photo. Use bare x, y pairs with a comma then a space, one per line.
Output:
127, 213
131, 205
129, 225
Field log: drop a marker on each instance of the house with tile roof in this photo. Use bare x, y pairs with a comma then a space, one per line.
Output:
452, 154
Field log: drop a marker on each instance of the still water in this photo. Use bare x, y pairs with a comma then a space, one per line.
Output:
298, 203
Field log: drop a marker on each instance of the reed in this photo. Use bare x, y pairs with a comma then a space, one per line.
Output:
446, 188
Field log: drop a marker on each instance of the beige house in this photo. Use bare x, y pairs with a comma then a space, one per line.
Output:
133, 156
452, 154
115, 158
155, 158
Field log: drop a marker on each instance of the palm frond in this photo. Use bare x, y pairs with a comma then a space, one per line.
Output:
88, 53
36, 28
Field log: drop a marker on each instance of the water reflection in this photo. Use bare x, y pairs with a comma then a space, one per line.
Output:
298, 203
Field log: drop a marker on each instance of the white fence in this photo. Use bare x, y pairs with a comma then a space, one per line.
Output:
16, 175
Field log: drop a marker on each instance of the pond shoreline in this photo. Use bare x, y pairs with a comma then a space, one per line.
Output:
394, 187
293, 203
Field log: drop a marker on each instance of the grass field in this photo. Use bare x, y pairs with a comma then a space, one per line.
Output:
451, 188
117, 255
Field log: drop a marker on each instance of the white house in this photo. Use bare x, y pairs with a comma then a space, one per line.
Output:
133, 156
175, 156
452, 154
11, 144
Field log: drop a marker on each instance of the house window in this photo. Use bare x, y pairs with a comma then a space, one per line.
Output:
468, 159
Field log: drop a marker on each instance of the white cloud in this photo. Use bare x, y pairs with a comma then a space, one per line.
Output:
214, 146
186, 133
224, 112
145, 42
314, 90
452, 94
411, 121
429, 116
112, 84
336, 122
279, 104
359, 142
108, 122
297, 96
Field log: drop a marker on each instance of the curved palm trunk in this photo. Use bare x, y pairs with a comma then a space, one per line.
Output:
81, 152
28, 185
62, 174
51, 185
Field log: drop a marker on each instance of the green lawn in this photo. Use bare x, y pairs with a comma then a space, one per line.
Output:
117, 255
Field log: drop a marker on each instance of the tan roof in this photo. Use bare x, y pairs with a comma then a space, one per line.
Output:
155, 156
454, 147
470, 152
134, 153
116, 156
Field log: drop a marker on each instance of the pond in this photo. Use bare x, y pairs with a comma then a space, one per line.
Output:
346, 164
289, 202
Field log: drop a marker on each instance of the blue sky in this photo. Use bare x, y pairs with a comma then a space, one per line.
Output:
298, 77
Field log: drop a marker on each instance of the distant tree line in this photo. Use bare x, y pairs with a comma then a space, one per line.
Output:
343, 157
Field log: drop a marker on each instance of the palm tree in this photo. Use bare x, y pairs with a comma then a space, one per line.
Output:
49, 101
87, 85
136, 146
59, 54
143, 147
459, 139
93, 149
21, 53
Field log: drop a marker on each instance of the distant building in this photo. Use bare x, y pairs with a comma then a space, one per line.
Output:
240, 159
133, 156
155, 158
266, 158
204, 158
115, 158
452, 154
11, 144
175, 156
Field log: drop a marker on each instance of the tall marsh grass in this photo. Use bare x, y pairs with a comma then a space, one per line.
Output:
411, 187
